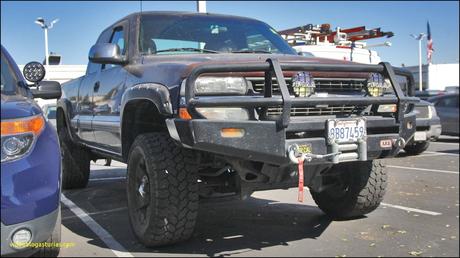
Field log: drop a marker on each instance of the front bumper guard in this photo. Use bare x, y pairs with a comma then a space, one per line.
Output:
272, 146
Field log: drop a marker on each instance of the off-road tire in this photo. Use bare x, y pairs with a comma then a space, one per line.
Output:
167, 213
54, 239
365, 186
416, 148
75, 162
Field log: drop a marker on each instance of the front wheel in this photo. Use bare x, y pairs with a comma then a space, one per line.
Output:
352, 189
162, 190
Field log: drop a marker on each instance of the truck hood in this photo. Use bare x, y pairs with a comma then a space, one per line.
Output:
163, 68
18, 106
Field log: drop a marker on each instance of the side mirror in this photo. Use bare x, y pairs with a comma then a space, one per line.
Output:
106, 53
47, 90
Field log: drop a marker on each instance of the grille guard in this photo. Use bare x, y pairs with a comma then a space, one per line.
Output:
273, 67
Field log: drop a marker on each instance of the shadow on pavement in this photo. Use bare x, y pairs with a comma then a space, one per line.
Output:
223, 228
448, 140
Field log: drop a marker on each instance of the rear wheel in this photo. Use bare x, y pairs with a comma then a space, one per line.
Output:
416, 148
75, 162
353, 189
162, 190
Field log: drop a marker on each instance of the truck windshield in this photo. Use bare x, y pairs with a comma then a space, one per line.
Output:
9, 80
176, 34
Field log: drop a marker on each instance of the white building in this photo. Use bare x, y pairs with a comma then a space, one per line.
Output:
436, 76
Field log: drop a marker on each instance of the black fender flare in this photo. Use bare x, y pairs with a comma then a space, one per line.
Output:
156, 93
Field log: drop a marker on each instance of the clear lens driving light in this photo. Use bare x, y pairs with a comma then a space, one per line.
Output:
224, 113
208, 85
377, 84
303, 84
391, 108
21, 238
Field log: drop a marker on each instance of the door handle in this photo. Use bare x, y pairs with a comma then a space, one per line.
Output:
96, 86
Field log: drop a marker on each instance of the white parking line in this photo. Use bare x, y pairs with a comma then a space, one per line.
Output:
441, 153
99, 212
448, 143
425, 169
107, 178
432, 213
111, 243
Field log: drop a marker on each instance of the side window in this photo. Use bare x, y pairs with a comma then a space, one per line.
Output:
118, 38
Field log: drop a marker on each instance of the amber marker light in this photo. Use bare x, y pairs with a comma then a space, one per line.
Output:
232, 132
183, 113
33, 125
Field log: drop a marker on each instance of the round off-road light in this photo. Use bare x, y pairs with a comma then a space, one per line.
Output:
21, 238
303, 84
377, 84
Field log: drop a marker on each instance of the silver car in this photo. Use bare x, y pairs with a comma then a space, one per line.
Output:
49, 111
447, 109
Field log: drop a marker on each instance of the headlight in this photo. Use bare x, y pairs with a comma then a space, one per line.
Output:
224, 113
208, 85
19, 135
303, 84
377, 84
432, 112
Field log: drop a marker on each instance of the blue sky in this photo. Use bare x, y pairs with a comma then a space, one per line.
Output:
81, 22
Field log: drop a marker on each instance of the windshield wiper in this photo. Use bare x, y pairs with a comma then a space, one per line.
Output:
190, 49
252, 51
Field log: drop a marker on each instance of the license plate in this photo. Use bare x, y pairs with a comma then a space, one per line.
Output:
349, 130
420, 136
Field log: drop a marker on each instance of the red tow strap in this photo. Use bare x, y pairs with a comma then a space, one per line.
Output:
300, 167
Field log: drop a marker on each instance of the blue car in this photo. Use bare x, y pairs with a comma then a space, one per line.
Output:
30, 164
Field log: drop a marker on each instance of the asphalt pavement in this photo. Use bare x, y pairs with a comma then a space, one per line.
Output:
419, 217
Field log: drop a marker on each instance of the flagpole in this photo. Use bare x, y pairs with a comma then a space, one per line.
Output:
419, 38
420, 85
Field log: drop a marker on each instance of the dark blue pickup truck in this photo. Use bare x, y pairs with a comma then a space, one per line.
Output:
30, 164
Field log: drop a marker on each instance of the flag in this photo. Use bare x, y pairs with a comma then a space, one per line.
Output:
429, 43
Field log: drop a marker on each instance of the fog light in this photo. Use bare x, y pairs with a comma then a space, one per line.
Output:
21, 238
387, 108
224, 113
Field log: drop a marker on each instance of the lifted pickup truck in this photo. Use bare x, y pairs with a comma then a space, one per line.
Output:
205, 105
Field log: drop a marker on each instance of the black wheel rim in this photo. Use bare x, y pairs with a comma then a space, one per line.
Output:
141, 192
338, 185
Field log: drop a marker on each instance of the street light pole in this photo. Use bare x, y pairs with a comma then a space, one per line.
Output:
419, 38
46, 47
41, 22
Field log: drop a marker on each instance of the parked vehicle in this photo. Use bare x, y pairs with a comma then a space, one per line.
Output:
49, 112
451, 89
447, 109
428, 128
207, 104
426, 94
30, 163
343, 44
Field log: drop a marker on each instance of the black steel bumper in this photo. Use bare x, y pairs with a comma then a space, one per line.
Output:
268, 141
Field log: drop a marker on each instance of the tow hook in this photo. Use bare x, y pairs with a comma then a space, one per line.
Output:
400, 143
295, 155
